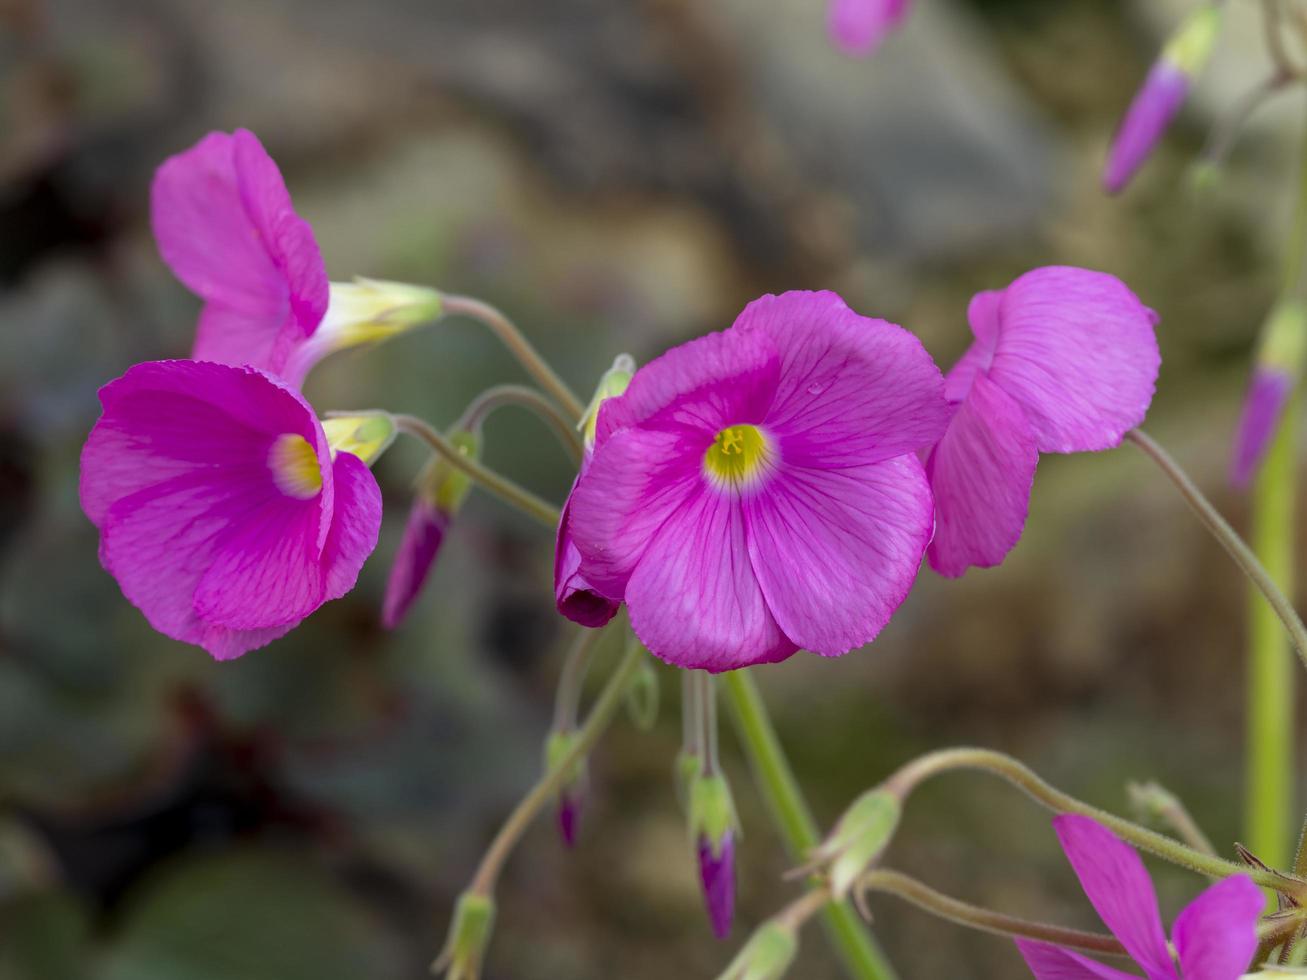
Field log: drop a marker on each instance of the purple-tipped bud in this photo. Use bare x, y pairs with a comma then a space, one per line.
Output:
440, 493
717, 877
575, 785
1160, 97
570, 803
857, 27
1275, 372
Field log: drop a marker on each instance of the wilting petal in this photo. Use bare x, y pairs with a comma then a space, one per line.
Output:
1055, 963
423, 535
224, 225
1216, 934
852, 390
1150, 113
693, 596
1118, 886
1077, 351
717, 878
858, 26
837, 550
1263, 405
981, 473
724, 378
574, 595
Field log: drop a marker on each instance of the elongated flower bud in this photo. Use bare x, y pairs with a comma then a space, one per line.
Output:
1164, 90
1275, 372
439, 495
712, 831
859, 838
364, 434
469, 934
766, 956
576, 783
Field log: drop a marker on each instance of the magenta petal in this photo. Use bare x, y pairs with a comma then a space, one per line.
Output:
574, 594
852, 390
355, 525
858, 26
1055, 963
1268, 393
224, 225
981, 473
1118, 886
423, 534
693, 597
717, 878
837, 550
1077, 351
1216, 934
1150, 113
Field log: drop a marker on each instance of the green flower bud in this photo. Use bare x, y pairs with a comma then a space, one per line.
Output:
766, 956
859, 838
613, 383
368, 310
1190, 47
712, 811
364, 434
469, 934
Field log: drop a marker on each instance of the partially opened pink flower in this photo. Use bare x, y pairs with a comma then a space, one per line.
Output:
222, 513
1214, 937
858, 26
225, 225
1064, 360
756, 491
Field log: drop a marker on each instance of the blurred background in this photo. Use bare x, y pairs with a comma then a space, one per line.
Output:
618, 177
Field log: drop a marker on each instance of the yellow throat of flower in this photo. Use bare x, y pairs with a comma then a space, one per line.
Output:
294, 465
739, 456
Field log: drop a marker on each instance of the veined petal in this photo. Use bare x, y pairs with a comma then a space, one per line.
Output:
981, 474
837, 550
1055, 963
852, 390
355, 525
1118, 886
722, 379
1216, 934
693, 597
574, 595
1077, 351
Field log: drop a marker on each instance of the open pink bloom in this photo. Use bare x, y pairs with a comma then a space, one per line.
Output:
222, 513
1215, 936
858, 26
224, 223
757, 490
1064, 361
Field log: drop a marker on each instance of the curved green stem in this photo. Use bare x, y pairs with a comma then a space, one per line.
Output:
523, 397
851, 938
502, 487
926, 767
503, 328
610, 698
567, 699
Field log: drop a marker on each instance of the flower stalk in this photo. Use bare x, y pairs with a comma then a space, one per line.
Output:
533, 401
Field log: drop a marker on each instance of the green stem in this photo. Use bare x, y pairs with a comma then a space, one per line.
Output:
851, 938
925, 767
483, 883
533, 401
502, 487
521, 348
567, 699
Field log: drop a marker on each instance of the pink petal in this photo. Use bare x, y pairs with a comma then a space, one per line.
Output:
1118, 886
1055, 963
355, 525
693, 597
982, 313
852, 390
1077, 350
224, 225
981, 474
722, 379
1216, 934
574, 594
1150, 113
836, 550
858, 26
423, 534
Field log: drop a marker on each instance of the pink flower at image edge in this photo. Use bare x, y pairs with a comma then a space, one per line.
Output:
857, 27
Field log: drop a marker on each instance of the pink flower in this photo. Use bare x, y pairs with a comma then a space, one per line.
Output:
1064, 360
574, 596
857, 27
1215, 936
224, 224
757, 490
222, 513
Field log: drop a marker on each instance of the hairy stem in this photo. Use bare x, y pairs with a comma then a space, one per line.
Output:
530, 399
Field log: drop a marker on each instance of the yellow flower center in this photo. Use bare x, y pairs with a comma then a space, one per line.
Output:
294, 465
738, 456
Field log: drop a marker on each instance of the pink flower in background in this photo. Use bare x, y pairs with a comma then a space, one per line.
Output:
222, 513
224, 224
1214, 937
1065, 360
757, 490
1268, 393
857, 27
